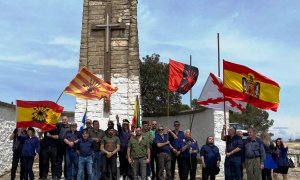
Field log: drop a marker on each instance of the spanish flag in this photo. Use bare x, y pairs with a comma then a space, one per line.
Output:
86, 85
245, 84
136, 121
41, 114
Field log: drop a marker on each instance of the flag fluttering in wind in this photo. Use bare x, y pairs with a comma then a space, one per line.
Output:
136, 121
41, 114
82, 126
86, 85
182, 77
245, 84
213, 97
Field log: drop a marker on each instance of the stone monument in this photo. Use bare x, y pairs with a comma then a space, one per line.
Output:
109, 48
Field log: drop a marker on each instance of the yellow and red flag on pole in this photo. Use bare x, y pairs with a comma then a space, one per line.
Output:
86, 85
136, 121
40, 114
245, 84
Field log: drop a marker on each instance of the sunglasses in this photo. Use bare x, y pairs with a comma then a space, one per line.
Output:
88, 123
125, 124
160, 129
176, 124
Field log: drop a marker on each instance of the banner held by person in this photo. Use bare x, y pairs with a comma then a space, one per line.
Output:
182, 77
244, 84
41, 114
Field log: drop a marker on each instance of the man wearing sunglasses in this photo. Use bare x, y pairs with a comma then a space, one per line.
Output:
163, 152
124, 135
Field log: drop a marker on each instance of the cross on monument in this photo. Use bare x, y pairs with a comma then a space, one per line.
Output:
107, 53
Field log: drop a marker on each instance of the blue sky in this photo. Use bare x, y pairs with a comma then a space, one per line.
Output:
39, 49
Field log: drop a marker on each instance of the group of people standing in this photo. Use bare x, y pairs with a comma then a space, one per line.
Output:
148, 152
257, 155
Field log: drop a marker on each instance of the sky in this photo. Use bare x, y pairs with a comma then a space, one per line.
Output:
40, 40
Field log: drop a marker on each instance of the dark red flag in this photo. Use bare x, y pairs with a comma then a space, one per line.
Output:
182, 77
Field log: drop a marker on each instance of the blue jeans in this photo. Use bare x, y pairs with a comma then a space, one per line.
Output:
71, 163
97, 158
88, 163
233, 168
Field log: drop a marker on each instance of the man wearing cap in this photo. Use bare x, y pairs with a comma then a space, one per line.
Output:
124, 135
71, 138
96, 134
110, 145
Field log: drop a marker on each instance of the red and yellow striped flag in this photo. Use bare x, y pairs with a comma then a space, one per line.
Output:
245, 84
136, 122
40, 114
86, 85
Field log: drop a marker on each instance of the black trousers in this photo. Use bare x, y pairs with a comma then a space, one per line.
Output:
266, 174
189, 166
208, 172
173, 165
109, 168
61, 156
154, 164
48, 154
15, 161
124, 165
28, 163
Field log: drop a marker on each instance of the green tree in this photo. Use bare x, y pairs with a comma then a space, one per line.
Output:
154, 88
195, 105
252, 117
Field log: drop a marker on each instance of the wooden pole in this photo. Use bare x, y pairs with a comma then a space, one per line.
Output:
59, 96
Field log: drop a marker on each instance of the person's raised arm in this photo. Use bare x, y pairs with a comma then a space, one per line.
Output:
223, 134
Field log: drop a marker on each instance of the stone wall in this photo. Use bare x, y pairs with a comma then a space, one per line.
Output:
7, 120
8, 124
124, 53
207, 122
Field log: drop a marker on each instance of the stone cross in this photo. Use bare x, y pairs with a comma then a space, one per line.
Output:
107, 53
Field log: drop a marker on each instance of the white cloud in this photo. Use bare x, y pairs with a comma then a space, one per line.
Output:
70, 43
38, 59
285, 126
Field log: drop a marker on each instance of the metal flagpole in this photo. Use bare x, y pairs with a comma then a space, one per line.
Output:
224, 107
191, 99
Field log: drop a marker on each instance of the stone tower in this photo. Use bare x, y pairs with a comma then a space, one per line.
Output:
109, 48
